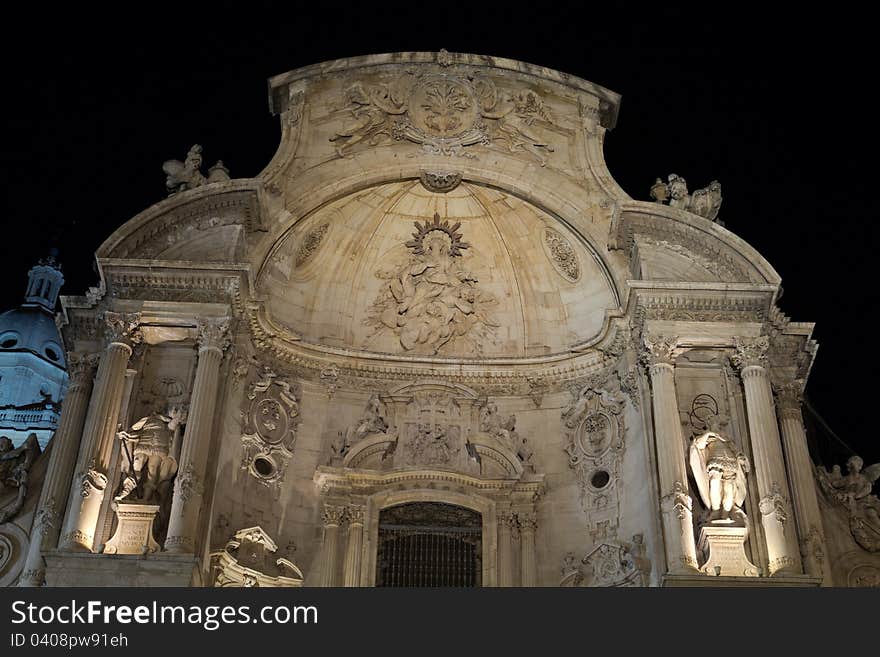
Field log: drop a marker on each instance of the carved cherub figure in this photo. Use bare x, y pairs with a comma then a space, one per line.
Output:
858, 481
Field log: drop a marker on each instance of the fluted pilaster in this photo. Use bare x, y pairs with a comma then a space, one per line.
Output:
65, 446
332, 517
352, 569
800, 476
750, 358
189, 485
528, 524
675, 500
88, 487
505, 548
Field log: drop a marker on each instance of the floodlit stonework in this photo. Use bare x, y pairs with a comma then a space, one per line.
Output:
434, 343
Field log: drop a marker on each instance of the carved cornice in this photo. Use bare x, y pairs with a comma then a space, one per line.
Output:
162, 224
168, 284
750, 352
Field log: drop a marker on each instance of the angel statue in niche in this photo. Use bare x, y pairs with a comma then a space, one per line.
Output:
719, 469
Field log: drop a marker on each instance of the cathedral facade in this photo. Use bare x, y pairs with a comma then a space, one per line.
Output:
433, 343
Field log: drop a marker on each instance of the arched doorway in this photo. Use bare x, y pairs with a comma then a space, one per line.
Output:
429, 544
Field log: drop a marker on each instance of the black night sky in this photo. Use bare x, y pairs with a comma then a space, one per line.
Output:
775, 108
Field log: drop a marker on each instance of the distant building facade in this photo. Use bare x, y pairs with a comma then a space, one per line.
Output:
33, 368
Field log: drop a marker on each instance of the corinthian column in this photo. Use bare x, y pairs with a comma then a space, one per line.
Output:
750, 358
528, 523
332, 517
355, 516
65, 445
87, 491
505, 555
800, 476
675, 501
189, 484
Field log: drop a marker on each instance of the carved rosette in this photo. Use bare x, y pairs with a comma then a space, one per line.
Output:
214, 333
333, 515
122, 328
561, 255
750, 352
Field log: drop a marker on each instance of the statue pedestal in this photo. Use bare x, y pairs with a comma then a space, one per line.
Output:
723, 547
134, 531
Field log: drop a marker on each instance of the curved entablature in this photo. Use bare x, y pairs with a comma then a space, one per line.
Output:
280, 85
668, 244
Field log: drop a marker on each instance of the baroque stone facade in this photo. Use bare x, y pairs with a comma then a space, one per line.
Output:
434, 325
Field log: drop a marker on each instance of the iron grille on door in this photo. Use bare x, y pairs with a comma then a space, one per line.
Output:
427, 544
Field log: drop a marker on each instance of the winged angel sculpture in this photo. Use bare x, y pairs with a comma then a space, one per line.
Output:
720, 470
853, 491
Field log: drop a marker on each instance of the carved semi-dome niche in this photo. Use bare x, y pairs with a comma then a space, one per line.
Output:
472, 272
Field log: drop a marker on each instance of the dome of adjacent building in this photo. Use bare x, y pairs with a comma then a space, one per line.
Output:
475, 272
31, 329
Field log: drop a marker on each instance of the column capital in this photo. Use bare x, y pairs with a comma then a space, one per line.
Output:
355, 514
750, 352
122, 328
789, 396
527, 520
658, 350
332, 515
214, 333
80, 368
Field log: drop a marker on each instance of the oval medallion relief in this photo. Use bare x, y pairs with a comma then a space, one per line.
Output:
562, 255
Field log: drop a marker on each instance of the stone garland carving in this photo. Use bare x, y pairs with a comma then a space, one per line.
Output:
562, 256
444, 114
270, 419
329, 376
15, 465
595, 432
187, 174
852, 492
309, 244
609, 563
430, 301
250, 559
704, 202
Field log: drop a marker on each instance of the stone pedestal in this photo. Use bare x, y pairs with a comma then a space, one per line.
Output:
722, 545
134, 533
